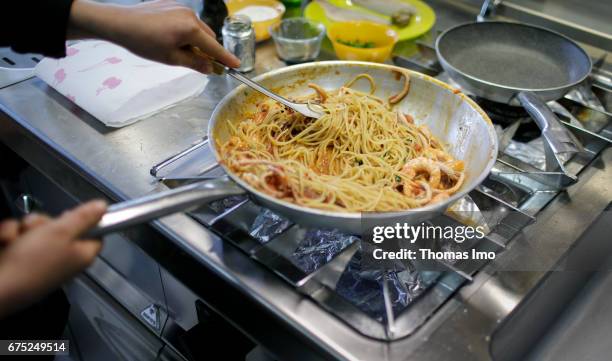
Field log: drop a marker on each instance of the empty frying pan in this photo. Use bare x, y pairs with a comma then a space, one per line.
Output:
517, 64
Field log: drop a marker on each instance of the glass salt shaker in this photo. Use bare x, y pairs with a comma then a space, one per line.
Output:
239, 39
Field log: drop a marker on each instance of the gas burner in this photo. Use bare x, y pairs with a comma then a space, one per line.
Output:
506, 115
502, 110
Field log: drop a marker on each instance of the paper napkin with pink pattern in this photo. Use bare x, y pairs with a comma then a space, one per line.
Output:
116, 86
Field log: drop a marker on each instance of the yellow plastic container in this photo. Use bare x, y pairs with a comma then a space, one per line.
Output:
382, 37
261, 27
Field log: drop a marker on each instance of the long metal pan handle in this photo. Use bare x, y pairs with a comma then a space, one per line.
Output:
147, 208
556, 135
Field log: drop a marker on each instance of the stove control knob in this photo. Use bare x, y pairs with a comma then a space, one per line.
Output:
27, 204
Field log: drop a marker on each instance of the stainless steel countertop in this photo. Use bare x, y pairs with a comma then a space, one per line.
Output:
120, 160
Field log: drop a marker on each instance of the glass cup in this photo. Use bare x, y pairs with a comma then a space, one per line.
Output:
297, 40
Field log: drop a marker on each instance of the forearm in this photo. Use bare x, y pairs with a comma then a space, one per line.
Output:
163, 31
90, 19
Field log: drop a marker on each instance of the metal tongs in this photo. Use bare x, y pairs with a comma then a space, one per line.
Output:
307, 110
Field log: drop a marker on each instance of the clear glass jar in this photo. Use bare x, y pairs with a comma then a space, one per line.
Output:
239, 39
297, 40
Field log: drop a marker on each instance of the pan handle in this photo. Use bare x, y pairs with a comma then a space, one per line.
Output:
559, 138
147, 208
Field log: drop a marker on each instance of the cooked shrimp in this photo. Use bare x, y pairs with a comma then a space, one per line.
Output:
422, 166
419, 190
450, 174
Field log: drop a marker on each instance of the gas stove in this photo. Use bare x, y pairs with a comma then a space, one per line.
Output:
301, 293
324, 264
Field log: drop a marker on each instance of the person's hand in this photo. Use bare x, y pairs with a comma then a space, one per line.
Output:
38, 254
161, 30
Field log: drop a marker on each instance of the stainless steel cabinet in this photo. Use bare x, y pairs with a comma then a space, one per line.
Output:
103, 330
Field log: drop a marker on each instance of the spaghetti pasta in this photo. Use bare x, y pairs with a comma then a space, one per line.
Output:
360, 156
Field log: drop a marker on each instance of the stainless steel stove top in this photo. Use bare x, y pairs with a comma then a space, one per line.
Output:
324, 264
